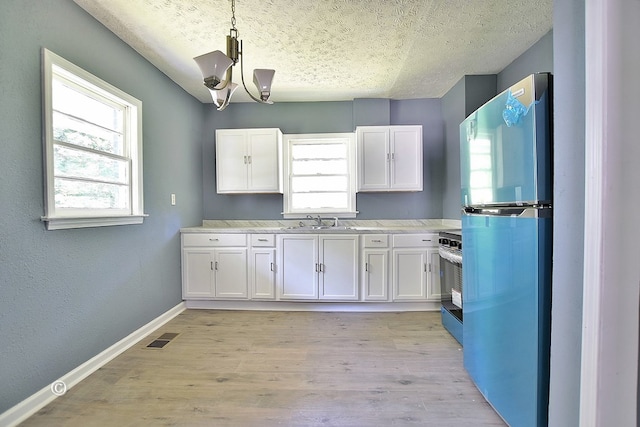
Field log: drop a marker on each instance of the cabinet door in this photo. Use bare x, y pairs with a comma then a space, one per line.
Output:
410, 274
264, 161
373, 158
433, 279
298, 267
263, 273
231, 161
338, 267
375, 275
230, 268
197, 274
406, 158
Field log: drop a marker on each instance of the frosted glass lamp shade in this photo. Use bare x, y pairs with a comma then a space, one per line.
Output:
221, 97
262, 79
213, 65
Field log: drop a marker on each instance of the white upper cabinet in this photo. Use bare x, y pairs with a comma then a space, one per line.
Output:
248, 160
389, 158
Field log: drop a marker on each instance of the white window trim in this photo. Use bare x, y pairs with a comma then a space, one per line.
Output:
288, 139
54, 219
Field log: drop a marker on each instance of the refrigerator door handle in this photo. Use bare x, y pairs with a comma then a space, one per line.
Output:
541, 211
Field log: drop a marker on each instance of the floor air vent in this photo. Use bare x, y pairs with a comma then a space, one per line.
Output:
162, 340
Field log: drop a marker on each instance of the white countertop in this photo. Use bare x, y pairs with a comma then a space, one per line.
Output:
344, 226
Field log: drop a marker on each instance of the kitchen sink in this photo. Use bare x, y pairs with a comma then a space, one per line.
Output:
317, 227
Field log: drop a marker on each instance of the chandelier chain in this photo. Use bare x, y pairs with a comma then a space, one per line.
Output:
233, 15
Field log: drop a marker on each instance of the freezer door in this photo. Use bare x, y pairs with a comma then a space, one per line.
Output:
506, 278
505, 147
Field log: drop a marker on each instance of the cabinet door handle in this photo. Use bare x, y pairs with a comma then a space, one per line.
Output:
388, 157
272, 267
211, 265
393, 156
216, 268
425, 267
366, 266
321, 268
317, 267
245, 160
249, 159
429, 267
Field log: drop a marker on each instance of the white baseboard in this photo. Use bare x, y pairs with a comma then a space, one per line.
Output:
315, 306
23, 410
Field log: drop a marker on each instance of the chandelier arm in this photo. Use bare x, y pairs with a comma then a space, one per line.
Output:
227, 99
242, 78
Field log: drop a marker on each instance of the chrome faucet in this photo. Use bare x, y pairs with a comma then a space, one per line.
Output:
317, 219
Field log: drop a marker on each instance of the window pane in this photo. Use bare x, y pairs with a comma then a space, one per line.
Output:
69, 162
319, 200
319, 183
314, 167
90, 195
71, 101
73, 131
319, 151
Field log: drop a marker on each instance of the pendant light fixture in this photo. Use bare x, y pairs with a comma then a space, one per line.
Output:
215, 64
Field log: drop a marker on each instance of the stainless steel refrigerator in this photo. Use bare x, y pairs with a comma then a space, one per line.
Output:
506, 170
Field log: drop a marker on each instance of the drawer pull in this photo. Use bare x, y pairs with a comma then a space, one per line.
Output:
426, 240
214, 240
376, 241
262, 240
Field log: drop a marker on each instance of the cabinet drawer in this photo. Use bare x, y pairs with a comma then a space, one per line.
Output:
415, 240
211, 239
268, 240
375, 240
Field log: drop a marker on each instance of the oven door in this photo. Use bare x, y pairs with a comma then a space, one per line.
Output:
451, 281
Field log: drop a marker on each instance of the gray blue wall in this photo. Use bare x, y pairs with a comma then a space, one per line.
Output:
66, 295
326, 117
568, 200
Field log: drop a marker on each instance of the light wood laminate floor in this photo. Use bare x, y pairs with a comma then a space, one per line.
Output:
260, 368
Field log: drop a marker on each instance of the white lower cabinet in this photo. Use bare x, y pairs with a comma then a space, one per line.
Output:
375, 267
214, 266
318, 267
262, 267
416, 267
310, 267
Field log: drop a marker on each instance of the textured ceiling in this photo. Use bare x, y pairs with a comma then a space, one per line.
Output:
332, 50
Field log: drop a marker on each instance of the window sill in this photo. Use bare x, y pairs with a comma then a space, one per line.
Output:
62, 223
298, 215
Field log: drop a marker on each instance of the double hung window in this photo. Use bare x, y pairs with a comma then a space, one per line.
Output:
320, 175
92, 149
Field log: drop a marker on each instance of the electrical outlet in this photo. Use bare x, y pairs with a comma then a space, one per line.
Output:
173, 199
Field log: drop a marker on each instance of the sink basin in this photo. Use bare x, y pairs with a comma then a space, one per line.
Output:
317, 227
